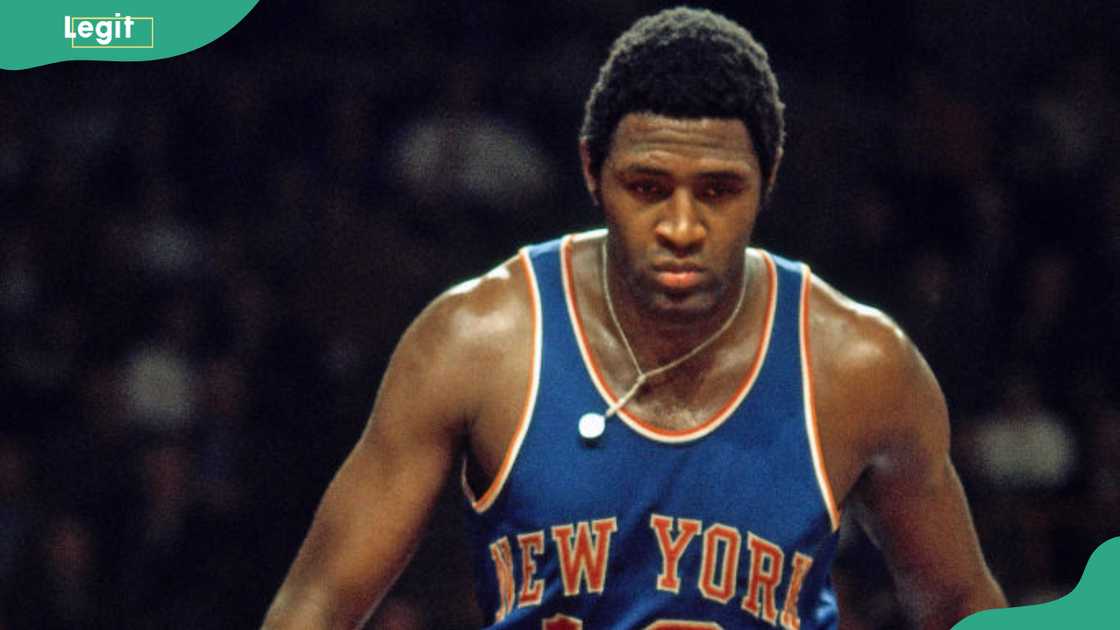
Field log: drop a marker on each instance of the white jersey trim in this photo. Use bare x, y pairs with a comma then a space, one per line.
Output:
643, 427
812, 427
488, 498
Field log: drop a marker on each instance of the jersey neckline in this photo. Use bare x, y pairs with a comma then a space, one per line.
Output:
640, 425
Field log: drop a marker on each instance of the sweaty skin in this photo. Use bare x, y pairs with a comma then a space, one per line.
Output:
680, 197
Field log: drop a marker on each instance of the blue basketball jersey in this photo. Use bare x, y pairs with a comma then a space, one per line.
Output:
730, 524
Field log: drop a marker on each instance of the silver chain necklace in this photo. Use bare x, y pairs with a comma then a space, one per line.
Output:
592, 425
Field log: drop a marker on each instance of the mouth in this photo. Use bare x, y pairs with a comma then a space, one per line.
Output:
679, 277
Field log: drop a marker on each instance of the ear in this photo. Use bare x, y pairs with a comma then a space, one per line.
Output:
773, 179
589, 179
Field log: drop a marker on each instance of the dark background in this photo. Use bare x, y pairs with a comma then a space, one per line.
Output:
205, 262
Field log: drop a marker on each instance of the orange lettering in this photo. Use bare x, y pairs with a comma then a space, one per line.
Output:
531, 590
801, 563
561, 622
671, 550
766, 572
580, 560
716, 538
503, 564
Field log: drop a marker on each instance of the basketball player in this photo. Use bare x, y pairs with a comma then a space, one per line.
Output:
656, 425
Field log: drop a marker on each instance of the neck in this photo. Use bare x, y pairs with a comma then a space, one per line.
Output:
659, 337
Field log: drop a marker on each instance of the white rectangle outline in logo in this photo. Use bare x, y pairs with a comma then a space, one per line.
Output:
135, 17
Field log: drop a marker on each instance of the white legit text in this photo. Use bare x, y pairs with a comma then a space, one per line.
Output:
105, 30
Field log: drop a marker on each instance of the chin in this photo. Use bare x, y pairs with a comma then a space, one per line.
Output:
684, 308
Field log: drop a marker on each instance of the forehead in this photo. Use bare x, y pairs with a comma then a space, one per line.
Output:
652, 139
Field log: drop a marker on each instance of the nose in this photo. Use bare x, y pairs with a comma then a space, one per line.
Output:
680, 227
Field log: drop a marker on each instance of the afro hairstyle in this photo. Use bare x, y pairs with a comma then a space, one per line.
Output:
687, 63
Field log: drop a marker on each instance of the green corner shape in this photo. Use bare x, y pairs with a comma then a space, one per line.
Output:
43, 32
1090, 603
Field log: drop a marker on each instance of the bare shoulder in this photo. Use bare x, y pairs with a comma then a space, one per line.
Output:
852, 340
490, 309
885, 435
474, 328
877, 401
437, 383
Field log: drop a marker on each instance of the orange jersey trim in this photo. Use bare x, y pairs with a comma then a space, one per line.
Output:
642, 426
482, 504
812, 426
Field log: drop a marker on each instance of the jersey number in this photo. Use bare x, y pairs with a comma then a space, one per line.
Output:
564, 622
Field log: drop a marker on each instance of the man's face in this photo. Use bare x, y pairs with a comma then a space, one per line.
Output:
681, 197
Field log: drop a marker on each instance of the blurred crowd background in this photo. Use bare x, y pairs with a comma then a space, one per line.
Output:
205, 262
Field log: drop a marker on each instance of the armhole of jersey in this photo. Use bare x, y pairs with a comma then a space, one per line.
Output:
812, 427
483, 503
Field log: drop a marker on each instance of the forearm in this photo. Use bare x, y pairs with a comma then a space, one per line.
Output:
290, 612
294, 610
985, 594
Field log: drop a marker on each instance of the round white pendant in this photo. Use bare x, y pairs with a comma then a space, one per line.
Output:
591, 425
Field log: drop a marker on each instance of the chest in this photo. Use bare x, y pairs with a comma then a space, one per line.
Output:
720, 526
753, 471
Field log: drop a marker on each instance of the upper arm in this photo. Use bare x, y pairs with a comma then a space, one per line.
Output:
909, 498
375, 509
907, 494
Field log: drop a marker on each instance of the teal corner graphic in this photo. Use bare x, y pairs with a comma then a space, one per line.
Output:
1089, 604
124, 30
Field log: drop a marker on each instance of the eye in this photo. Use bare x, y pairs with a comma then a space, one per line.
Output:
647, 188
715, 191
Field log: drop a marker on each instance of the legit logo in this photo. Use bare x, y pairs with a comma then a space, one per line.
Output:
110, 32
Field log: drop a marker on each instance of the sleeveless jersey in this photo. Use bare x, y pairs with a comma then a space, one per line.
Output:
730, 524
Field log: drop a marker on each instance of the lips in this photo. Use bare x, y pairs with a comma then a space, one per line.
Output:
679, 280
679, 277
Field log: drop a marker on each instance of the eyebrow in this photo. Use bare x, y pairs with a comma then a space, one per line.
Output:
639, 169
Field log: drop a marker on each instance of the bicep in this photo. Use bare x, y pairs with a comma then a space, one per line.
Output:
375, 510
376, 507
923, 526
911, 501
